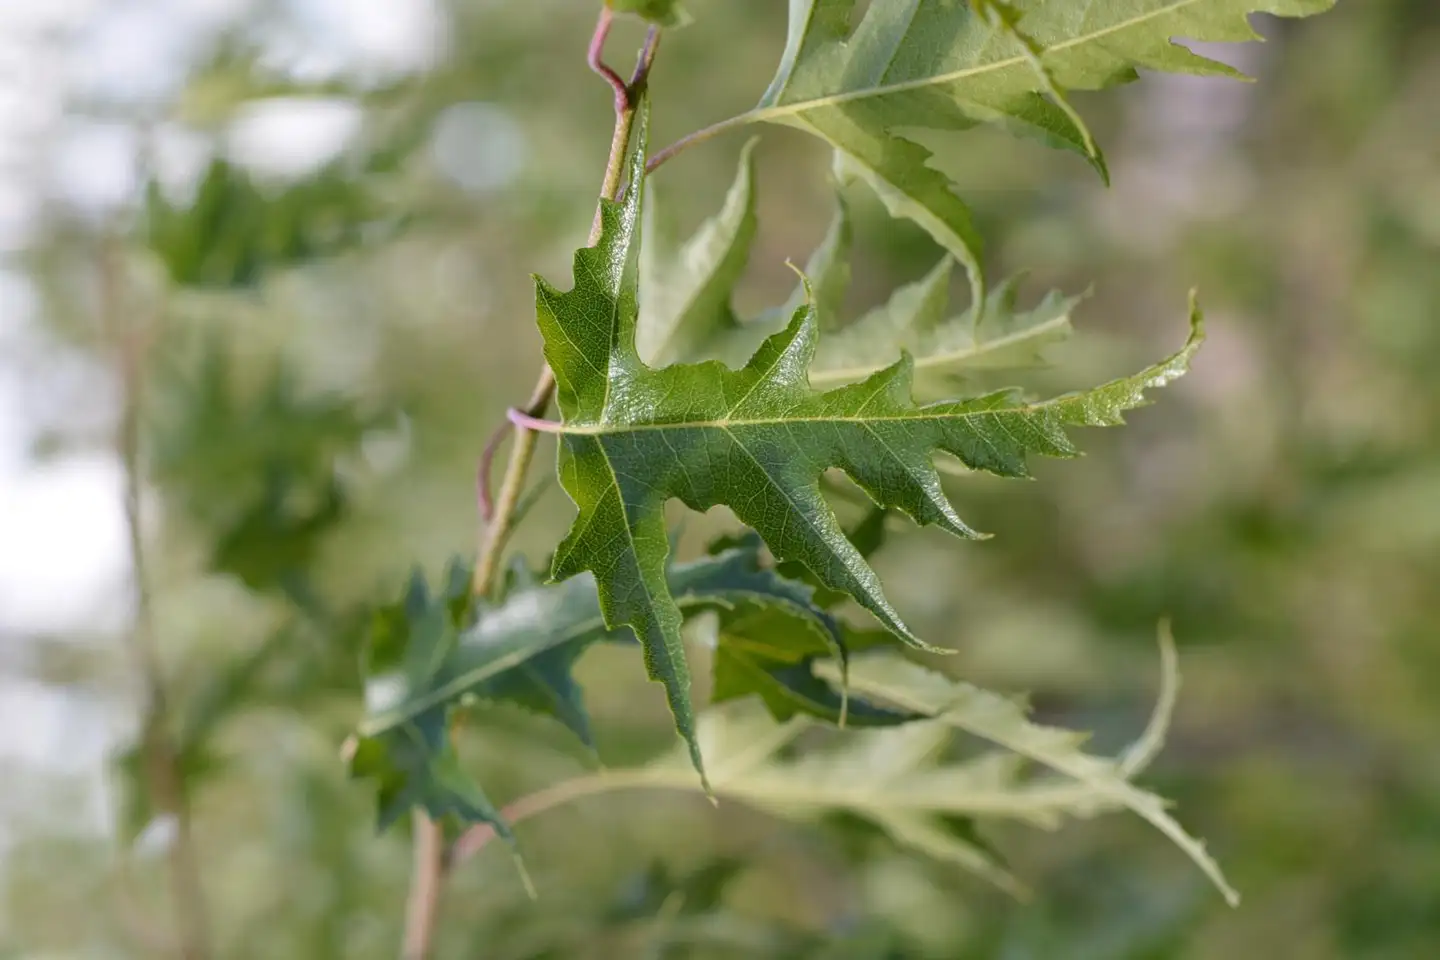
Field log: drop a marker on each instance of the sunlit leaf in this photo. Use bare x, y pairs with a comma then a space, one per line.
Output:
908, 781
758, 440
1104, 782
941, 65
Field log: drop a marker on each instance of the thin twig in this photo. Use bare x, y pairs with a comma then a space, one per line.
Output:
525, 421
161, 759
423, 905
643, 63
431, 858
487, 461
659, 157
595, 59
475, 839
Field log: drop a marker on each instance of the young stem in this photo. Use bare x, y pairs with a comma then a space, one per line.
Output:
659, 157
427, 879
160, 755
422, 909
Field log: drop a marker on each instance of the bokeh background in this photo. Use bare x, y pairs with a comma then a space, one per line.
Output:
323, 214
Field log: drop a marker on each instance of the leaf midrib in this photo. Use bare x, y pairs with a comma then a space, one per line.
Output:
410, 709
944, 358
729, 425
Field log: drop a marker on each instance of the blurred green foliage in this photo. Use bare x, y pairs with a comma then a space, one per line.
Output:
233, 229
1281, 506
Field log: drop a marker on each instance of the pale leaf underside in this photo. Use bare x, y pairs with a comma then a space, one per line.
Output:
937, 65
686, 310
1003, 722
900, 779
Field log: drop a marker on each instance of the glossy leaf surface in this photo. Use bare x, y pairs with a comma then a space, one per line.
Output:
757, 440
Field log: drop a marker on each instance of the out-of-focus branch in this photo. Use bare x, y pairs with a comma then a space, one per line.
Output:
130, 336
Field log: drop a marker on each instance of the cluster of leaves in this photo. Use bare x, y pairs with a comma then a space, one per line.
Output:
949, 65
254, 465
756, 439
686, 313
666, 393
212, 430
429, 654
945, 65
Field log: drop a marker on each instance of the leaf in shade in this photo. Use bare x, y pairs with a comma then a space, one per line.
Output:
757, 440
686, 310
1104, 783
759, 654
412, 757
416, 765
542, 682
428, 655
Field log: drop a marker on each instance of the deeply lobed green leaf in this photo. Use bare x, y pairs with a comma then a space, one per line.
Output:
757, 440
